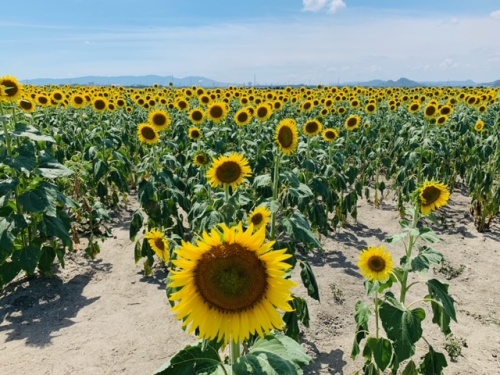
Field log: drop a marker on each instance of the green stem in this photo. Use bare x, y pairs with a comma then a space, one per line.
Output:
376, 315
275, 193
411, 244
235, 351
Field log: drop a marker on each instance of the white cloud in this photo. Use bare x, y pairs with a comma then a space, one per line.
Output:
317, 5
495, 15
336, 5
448, 64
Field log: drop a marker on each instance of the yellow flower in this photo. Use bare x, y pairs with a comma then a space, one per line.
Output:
259, 217
12, 89
330, 135
27, 105
100, 104
197, 116
432, 195
312, 128
243, 117
148, 134
287, 136
352, 122
195, 133
263, 112
159, 244
229, 170
201, 158
479, 127
217, 111
231, 284
159, 119
376, 264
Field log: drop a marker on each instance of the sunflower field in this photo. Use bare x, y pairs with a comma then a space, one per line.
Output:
236, 187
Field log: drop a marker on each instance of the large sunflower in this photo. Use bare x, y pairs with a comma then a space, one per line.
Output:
231, 284
197, 116
217, 111
352, 122
27, 105
312, 128
78, 101
12, 89
229, 170
159, 119
432, 195
376, 264
159, 244
263, 112
287, 136
259, 217
148, 134
243, 117
100, 104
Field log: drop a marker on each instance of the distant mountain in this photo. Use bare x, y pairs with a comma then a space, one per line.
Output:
150, 80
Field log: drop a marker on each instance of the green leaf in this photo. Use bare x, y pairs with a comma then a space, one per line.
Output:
439, 292
265, 363
135, 224
301, 230
292, 318
381, 350
440, 317
28, 131
192, 360
27, 258
56, 227
362, 316
309, 280
425, 259
8, 186
53, 169
428, 235
433, 363
8, 271
402, 326
410, 369
262, 180
46, 259
7, 239
41, 199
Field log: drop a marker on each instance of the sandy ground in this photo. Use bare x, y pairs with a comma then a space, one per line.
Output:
103, 317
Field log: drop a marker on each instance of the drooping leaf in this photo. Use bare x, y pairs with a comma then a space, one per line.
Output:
427, 257
439, 291
135, 224
410, 369
362, 316
27, 258
309, 280
433, 363
41, 199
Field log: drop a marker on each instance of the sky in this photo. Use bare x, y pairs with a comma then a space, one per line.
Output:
266, 41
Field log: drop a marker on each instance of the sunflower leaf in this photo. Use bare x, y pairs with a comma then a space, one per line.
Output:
439, 292
309, 280
433, 363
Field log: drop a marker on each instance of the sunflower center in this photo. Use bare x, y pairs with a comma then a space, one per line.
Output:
78, 100
257, 218
200, 159
195, 134
262, 112
159, 119
159, 244
231, 278
330, 134
285, 137
352, 122
228, 172
242, 117
376, 263
197, 116
311, 127
99, 104
148, 133
430, 110
42, 100
26, 105
216, 111
431, 194
11, 87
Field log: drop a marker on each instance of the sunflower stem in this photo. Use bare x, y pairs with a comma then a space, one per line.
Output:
275, 194
411, 243
235, 351
376, 315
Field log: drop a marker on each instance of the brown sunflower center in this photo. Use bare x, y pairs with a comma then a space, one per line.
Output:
330, 134
99, 104
257, 218
430, 194
376, 263
148, 133
216, 111
57, 96
201, 159
445, 110
160, 244
311, 127
242, 117
262, 112
228, 172
26, 105
159, 119
285, 137
430, 110
195, 134
352, 122
42, 100
78, 100
182, 104
11, 87
370, 108
197, 115
231, 278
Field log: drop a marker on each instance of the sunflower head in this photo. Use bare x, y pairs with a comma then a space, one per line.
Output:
312, 128
27, 105
287, 136
78, 101
432, 195
158, 242
376, 264
159, 119
259, 217
441, 120
100, 104
352, 122
243, 117
263, 111
217, 111
201, 158
148, 134
231, 284
229, 170
479, 126
195, 133
330, 135
197, 116
12, 89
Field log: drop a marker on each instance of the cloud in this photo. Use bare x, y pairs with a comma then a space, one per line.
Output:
495, 15
448, 64
336, 5
318, 5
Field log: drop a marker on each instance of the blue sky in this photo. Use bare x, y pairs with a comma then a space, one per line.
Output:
275, 41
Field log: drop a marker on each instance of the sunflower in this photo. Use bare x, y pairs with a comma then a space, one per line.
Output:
201, 158
197, 116
57, 96
352, 122
312, 128
100, 104
42, 100
78, 101
259, 217
159, 244
194, 133
287, 136
330, 135
263, 112
430, 111
414, 107
376, 264
446, 110
27, 105
217, 111
159, 119
371, 108
479, 127
231, 284
441, 120
229, 170
243, 117
12, 89
148, 134
432, 195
